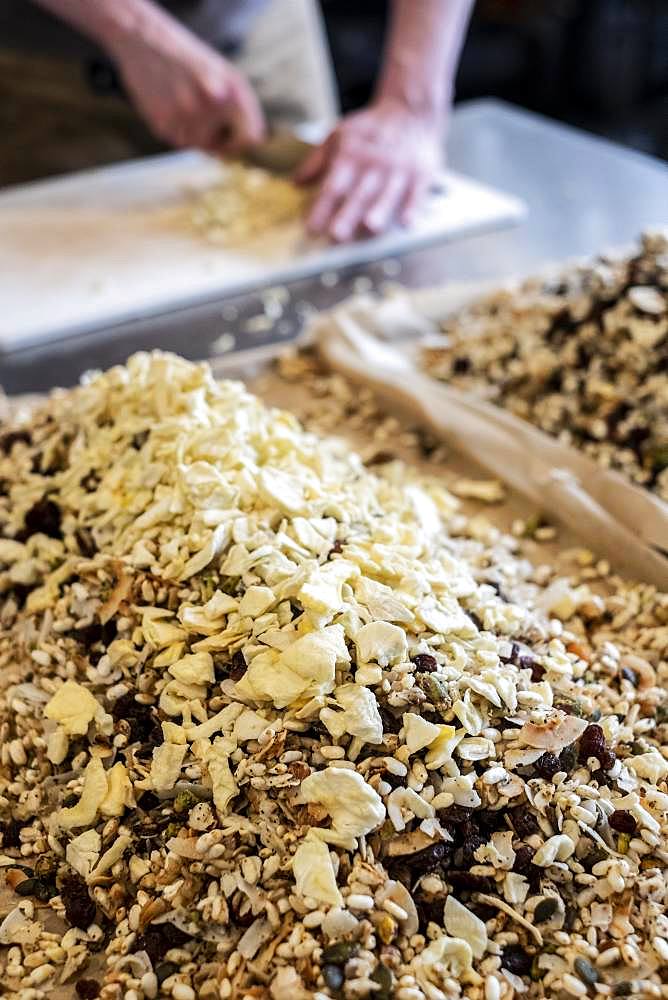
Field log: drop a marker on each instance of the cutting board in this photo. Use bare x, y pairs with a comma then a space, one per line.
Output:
104, 246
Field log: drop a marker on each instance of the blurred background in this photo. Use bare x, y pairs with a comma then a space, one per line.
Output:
598, 64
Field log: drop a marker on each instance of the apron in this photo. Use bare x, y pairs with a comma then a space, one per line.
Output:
60, 104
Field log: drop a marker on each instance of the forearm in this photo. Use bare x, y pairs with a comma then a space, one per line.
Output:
108, 22
422, 52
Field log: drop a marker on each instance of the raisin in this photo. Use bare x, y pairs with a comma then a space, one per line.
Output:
96, 632
391, 723
44, 517
592, 742
239, 666
545, 909
622, 821
537, 671
87, 989
425, 663
11, 833
472, 840
523, 860
523, 821
516, 960
159, 938
144, 726
607, 760
466, 882
547, 766
86, 543
148, 801
164, 970
79, 907
430, 910
568, 758
428, 859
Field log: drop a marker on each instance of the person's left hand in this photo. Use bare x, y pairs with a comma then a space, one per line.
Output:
373, 170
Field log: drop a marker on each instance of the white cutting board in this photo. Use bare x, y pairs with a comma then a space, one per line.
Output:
104, 246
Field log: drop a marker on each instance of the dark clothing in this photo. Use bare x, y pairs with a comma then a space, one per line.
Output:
24, 25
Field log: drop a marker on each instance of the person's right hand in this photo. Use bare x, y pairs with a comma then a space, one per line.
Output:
188, 93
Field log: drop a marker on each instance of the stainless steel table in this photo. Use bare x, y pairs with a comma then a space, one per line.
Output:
584, 194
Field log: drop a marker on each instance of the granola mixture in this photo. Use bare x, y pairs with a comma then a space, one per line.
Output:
277, 724
584, 357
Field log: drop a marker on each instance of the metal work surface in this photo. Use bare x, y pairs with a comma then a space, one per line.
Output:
584, 195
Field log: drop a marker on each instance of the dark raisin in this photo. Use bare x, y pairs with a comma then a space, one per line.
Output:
239, 666
143, 723
44, 517
148, 801
430, 910
164, 970
159, 938
547, 766
8, 440
87, 989
516, 960
545, 909
537, 671
381, 458
568, 758
428, 859
622, 821
425, 663
139, 439
391, 723
96, 632
333, 976
42, 889
86, 543
472, 840
523, 821
79, 907
523, 859
592, 742
11, 833
467, 882
607, 760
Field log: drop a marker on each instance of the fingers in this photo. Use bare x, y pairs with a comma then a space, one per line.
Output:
414, 195
243, 115
383, 209
338, 180
353, 207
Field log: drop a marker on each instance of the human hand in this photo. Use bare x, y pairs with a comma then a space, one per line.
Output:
188, 93
373, 170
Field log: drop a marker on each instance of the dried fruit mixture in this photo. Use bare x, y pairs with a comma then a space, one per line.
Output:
277, 725
583, 356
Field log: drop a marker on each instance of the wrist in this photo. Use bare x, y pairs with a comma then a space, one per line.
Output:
113, 23
418, 96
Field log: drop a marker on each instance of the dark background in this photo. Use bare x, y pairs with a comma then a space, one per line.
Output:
599, 64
